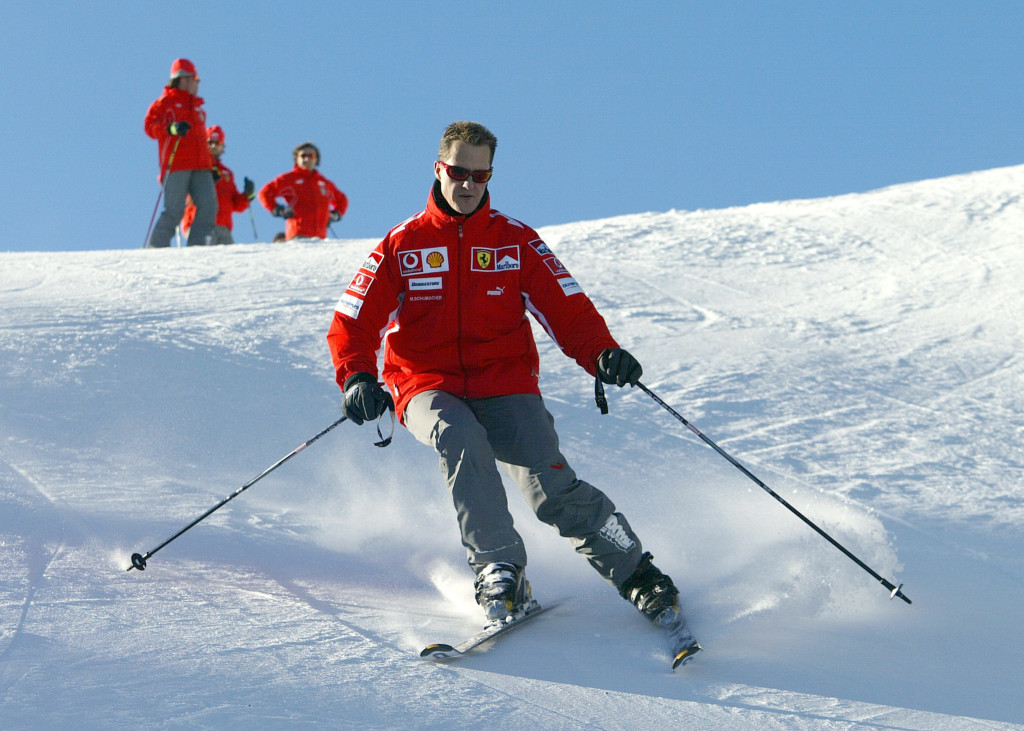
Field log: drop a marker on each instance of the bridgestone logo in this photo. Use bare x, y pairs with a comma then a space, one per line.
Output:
425, 283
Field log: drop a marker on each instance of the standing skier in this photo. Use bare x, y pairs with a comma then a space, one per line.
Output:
449, 289
178, 122
311, 201
229, 200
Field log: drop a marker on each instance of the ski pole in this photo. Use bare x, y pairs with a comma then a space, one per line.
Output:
139, 559
256, 236
894, 589
160, 195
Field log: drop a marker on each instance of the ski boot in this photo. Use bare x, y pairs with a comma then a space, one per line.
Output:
650, 590
657, 598
501, 591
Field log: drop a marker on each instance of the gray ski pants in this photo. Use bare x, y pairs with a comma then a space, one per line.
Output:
199, 184
470, 435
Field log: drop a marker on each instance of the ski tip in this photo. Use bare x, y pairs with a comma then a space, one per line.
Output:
438, 651
686, 654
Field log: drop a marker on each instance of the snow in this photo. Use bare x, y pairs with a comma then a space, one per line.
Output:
861, 354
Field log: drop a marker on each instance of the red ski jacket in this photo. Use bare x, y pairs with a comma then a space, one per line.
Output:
310, 195
177, 105
229, 200
449, 295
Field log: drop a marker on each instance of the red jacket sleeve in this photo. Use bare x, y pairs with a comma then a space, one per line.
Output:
558, 302
340, 200
154, 122
362, 315
240, 200
268, 193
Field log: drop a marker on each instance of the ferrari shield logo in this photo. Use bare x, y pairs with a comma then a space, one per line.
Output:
483, 258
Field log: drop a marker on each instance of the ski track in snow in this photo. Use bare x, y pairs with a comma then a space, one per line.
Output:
37, 556
860, 354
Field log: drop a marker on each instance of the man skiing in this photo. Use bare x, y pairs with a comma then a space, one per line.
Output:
449, 289
229, 200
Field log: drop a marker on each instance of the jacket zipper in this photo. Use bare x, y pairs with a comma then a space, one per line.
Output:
457, 266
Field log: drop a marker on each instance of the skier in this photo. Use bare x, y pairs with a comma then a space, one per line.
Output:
229, 200
311, 201
178, 122
450, 288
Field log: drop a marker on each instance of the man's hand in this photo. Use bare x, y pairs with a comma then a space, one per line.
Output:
335, 216
365, 399
617, 366
283, 211
249, 189
178, 129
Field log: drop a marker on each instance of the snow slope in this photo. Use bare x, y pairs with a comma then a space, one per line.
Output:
861, 354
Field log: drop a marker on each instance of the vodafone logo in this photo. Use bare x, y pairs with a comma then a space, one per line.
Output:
557, 268
360, 283
423, 261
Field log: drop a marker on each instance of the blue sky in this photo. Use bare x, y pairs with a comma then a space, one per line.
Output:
600, 108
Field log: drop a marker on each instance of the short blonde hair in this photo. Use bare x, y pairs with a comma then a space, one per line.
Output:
472, 133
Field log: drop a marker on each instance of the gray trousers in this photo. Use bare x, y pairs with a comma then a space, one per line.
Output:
199, 184
471, 435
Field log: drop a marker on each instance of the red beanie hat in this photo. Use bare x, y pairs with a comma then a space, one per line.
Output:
183, 67
215, 134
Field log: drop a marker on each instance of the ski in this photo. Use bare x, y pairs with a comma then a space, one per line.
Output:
441, 651
684, 645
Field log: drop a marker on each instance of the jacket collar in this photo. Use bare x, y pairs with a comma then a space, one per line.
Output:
170, 91
442, 213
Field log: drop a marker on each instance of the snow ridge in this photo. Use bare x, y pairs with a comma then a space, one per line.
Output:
861, 354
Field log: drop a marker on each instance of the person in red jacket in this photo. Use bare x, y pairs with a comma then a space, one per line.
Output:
229, 200
311, 202
449, 290
178, 122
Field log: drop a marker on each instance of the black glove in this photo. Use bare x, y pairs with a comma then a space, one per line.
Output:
178, 129
365, 399
283, 211
617, 366
335, 216
249, 189
216, 173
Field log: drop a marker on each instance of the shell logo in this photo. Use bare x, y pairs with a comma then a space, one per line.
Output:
435, 259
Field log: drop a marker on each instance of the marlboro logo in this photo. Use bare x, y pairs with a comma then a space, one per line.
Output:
503, 259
